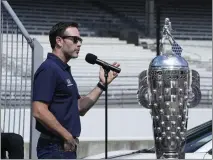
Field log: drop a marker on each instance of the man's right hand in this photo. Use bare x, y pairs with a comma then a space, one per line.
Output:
70, 144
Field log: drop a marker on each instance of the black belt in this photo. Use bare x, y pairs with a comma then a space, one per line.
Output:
54, 138
48, 137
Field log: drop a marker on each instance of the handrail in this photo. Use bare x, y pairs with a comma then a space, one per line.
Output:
18, 22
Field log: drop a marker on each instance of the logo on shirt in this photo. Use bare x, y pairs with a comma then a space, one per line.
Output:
69, 82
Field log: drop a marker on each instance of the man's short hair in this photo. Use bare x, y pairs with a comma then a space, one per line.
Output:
58, 30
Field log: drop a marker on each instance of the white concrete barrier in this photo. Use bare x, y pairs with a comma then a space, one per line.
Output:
123, 123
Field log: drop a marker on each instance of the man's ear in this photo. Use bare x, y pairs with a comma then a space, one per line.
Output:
59, 41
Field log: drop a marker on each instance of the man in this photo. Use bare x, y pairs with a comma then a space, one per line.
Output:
13, 144
57, 105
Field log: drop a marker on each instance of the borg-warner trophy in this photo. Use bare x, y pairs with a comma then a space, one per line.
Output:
168, 88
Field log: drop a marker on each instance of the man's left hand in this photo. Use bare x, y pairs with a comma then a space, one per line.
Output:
111, 75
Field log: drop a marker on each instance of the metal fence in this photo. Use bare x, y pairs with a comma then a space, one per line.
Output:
18, 53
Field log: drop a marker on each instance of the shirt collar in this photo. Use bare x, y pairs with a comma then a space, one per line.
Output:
58, 61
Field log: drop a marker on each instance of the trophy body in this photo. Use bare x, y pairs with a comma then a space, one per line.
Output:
167, 90
168, 80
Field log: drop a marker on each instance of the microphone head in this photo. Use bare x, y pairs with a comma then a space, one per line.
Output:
91, 58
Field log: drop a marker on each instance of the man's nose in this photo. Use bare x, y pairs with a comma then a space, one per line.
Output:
79, 44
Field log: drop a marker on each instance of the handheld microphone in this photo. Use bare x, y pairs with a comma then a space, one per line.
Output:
93, 59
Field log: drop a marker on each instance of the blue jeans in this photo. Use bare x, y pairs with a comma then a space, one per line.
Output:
51, 149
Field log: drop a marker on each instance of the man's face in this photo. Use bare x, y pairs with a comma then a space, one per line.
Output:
71, 43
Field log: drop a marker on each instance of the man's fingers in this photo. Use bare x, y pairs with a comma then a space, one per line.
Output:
115, 74
116, 64
69, 147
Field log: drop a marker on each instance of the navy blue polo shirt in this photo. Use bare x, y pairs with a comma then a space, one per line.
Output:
54, 84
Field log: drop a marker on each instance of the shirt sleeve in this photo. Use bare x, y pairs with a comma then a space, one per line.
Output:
44, 85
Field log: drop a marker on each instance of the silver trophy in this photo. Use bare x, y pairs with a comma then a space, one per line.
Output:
168, 88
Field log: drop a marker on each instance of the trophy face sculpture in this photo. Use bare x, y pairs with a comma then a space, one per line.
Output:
168, 88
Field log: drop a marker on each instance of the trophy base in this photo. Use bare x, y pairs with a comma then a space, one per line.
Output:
172, 156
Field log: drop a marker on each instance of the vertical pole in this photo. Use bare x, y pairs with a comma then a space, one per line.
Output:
37, 59
158, 12
1, 34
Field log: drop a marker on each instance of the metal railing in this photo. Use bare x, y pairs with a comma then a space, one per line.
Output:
20, 56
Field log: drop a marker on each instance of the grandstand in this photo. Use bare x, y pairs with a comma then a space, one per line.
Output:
191, 21
108, 18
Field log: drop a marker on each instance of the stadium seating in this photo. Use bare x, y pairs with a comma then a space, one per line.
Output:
46, 13
98, 16
122, 91
189, 20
